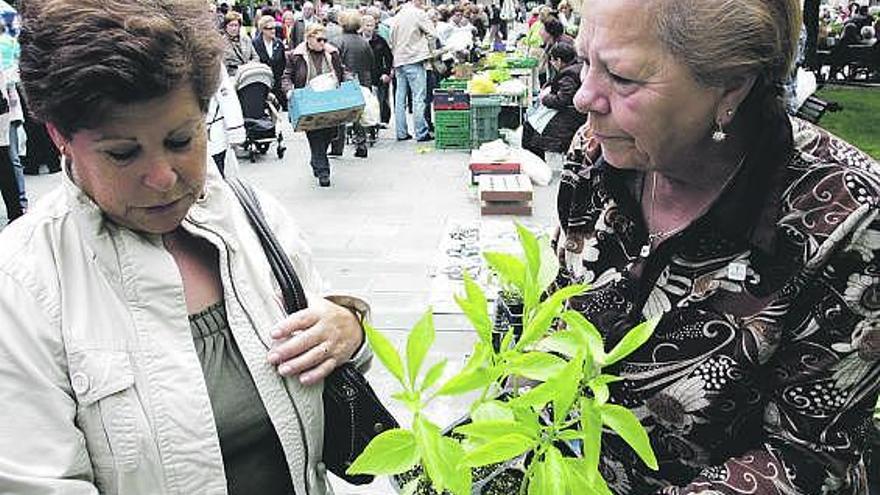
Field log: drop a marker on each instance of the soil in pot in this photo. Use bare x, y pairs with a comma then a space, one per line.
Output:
507, 482
424, 486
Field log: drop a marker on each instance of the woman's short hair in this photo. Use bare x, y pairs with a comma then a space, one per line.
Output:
231, 16
81, 58
723, 40
350, 21
314, 29
563, 51
265, 21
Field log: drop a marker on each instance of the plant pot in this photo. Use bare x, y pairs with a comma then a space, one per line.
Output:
508, 313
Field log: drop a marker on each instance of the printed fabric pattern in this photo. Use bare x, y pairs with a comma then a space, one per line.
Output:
763, 372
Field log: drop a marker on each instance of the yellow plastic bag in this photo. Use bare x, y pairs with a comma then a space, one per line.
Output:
481, 84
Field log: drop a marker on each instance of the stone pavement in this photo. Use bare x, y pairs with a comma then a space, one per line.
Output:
375, 233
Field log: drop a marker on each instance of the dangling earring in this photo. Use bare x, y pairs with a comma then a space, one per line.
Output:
719, 135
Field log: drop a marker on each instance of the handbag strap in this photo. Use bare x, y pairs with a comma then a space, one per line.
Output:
291, 289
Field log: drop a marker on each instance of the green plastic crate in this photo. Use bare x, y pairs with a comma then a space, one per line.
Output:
484, 119
452, 117
451, 83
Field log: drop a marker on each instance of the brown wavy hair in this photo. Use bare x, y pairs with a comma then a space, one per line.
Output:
81, 58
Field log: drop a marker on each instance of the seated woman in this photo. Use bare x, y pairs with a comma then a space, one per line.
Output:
754, 238
558, 95
144, 348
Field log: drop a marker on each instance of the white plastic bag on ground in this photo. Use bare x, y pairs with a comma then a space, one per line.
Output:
494, 151
371, 115
532, 165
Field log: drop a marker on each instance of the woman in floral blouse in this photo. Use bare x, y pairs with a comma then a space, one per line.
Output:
691, 195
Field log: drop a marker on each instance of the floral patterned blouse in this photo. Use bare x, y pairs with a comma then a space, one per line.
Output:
764, 370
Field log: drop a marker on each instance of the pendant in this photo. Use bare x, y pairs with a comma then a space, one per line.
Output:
737, 271
645, 251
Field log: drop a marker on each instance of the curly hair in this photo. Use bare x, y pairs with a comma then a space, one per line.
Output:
81, 58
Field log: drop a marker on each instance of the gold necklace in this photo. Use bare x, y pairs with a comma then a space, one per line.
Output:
658, 236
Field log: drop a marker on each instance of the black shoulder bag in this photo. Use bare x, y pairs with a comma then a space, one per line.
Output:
353, 414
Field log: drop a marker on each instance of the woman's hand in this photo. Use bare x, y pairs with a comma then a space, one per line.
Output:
311, 343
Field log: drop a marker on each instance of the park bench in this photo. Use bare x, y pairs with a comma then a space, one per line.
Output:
814, 108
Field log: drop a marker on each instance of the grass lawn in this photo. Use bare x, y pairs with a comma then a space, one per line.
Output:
859, 121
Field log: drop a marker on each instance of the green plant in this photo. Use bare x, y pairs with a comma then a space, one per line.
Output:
568, 402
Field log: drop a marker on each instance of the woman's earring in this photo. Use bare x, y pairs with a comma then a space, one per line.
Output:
719, 135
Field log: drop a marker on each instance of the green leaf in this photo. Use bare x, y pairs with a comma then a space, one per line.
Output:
569, 435
537, 481
490, 430
565, 342
479, 358
537, 397
391, 452
531, 250
576, 475
420, 339
465, 382
410, 399
567, 386
433, 451
549, 264
632, 341
433, 374
547, 310
556, 480
586, 331
599, 386
458, 477
582, 480
499, 449
476, 309
625, 423
386, 353
591, 429
535, 365
492, 410
509, 268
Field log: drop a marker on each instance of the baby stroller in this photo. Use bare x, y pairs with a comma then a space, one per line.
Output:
253, 83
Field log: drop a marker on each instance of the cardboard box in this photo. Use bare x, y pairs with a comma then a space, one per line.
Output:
310, 109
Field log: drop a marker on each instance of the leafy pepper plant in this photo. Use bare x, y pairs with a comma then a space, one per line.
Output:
554, 391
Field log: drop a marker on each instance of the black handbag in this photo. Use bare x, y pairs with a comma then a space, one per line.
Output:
353, 414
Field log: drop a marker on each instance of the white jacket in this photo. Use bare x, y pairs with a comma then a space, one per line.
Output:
225, 121
101, 390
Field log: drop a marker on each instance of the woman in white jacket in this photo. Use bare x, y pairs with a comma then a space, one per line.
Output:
144, 349
225, 123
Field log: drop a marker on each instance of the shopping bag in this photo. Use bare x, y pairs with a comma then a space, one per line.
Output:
371, 115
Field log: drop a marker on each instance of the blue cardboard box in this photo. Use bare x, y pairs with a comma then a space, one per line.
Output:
310, 109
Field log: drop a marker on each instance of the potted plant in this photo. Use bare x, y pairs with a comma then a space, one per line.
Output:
519, 435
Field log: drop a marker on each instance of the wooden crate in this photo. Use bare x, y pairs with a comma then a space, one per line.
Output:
505, 194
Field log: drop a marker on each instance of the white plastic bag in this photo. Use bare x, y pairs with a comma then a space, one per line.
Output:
532, 165
371, 115
324, 82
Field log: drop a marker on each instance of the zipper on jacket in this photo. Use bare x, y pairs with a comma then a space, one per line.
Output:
302, 429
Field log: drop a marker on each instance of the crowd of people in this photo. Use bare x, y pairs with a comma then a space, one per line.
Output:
402, 51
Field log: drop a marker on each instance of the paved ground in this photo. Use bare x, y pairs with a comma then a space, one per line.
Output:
376, 234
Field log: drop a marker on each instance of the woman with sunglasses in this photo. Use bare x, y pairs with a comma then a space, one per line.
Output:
312, 58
